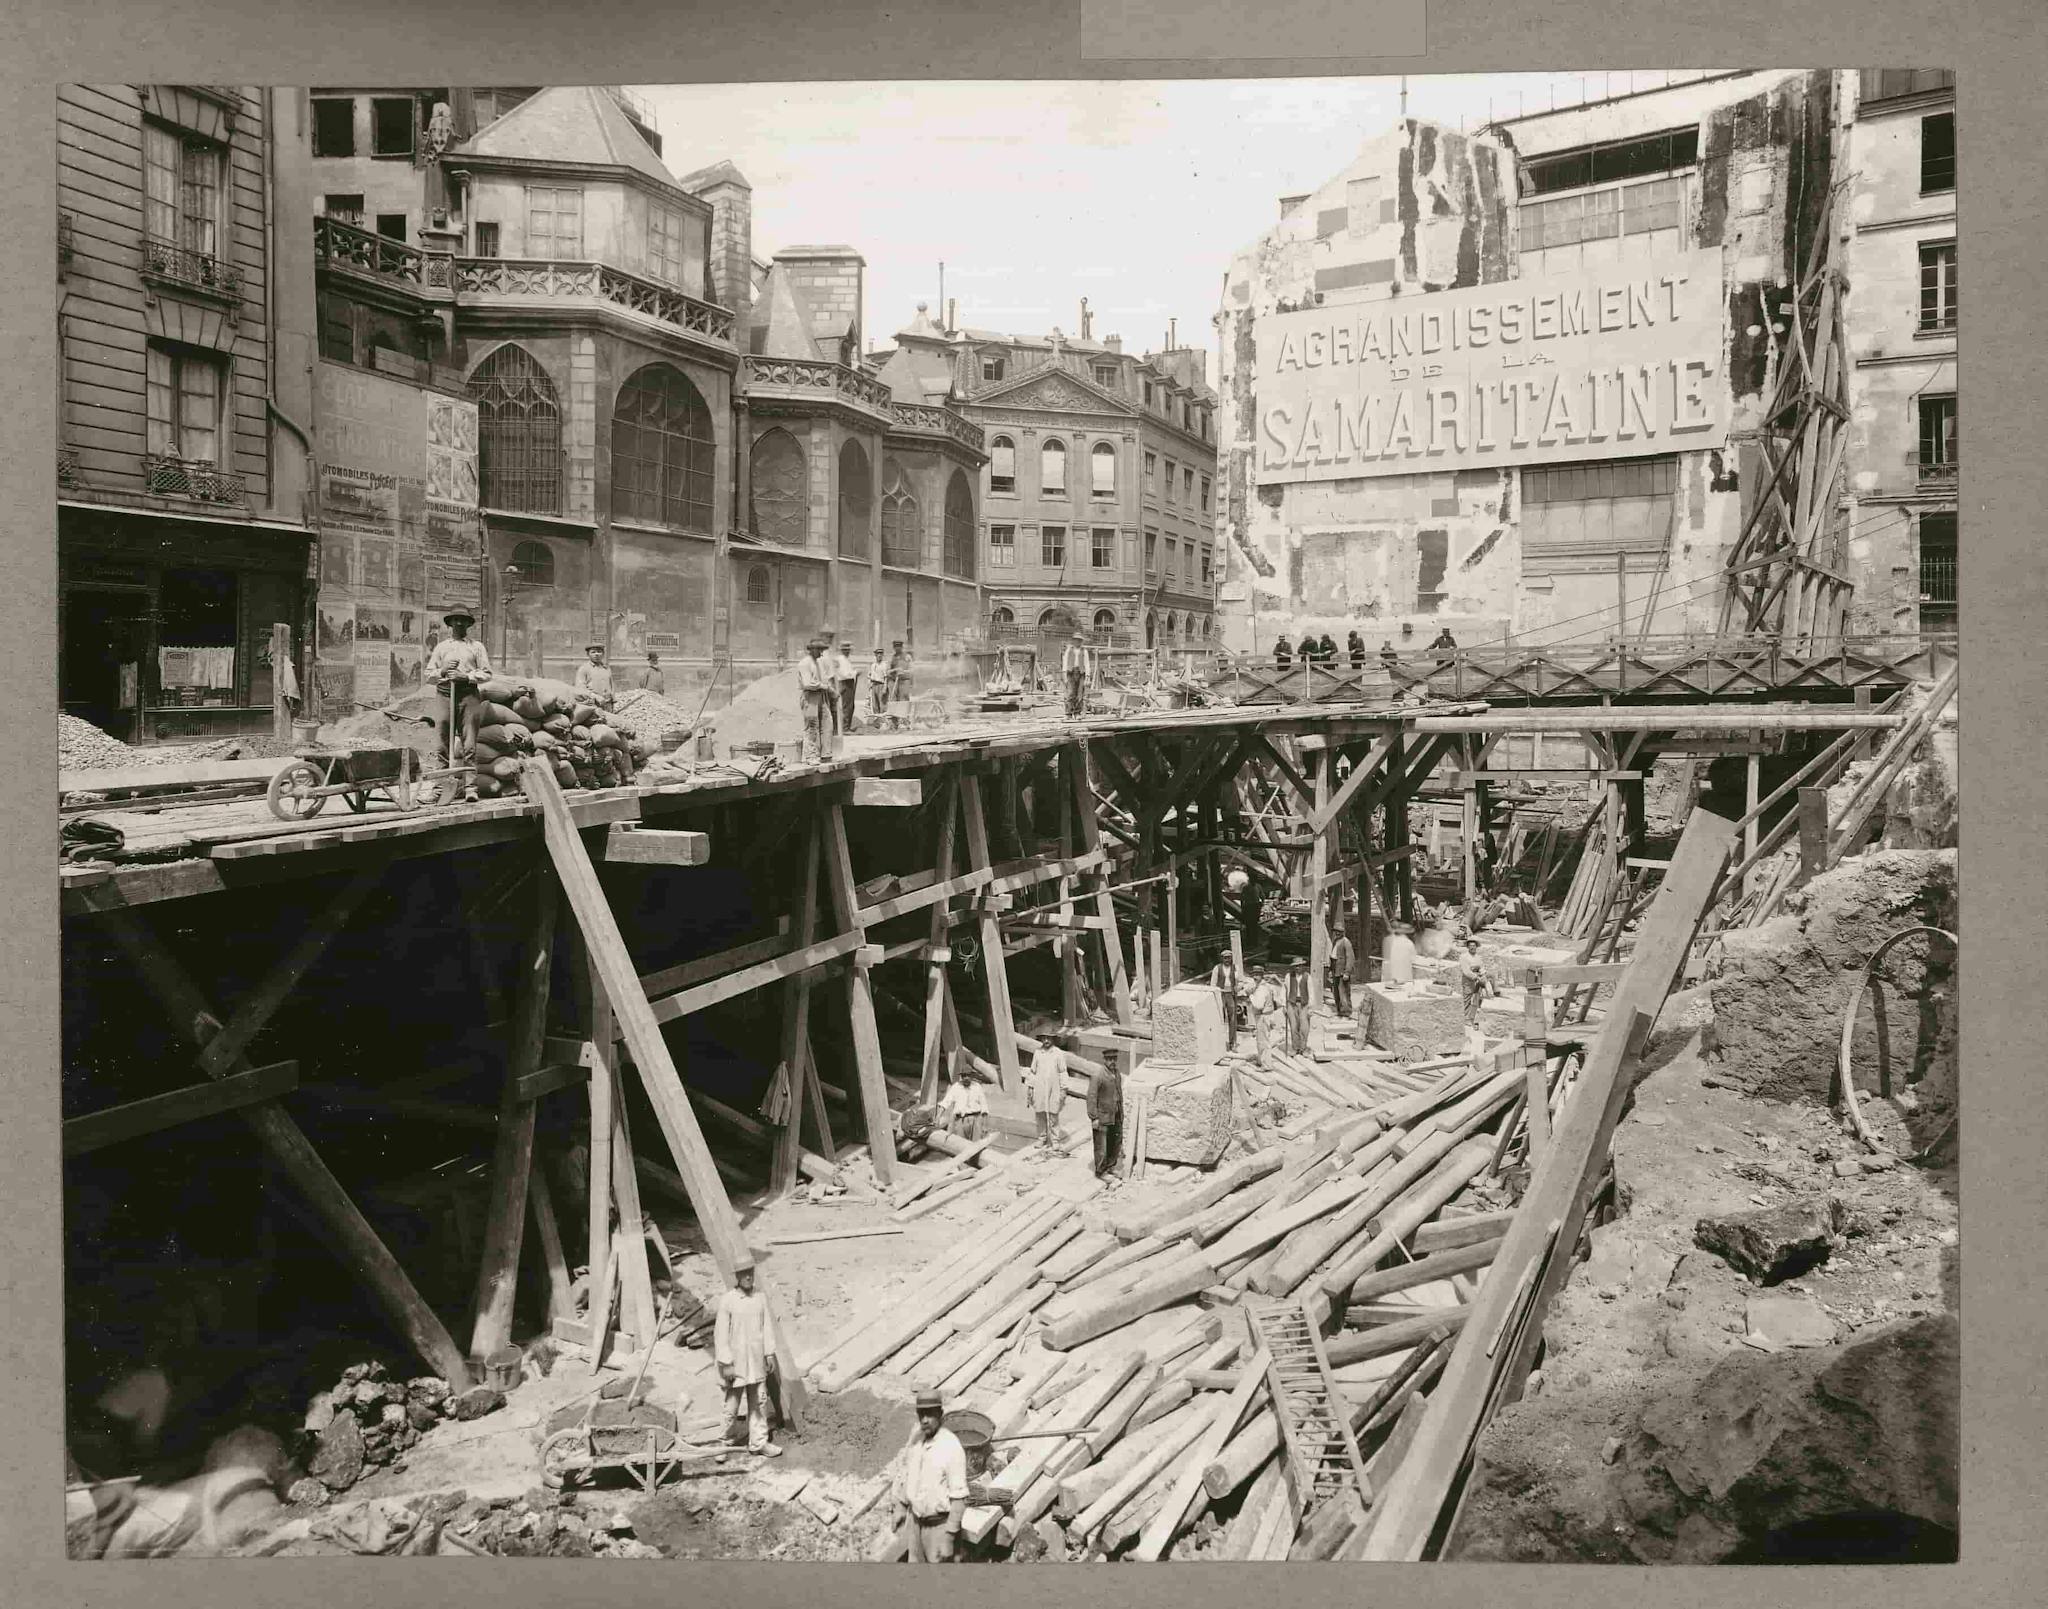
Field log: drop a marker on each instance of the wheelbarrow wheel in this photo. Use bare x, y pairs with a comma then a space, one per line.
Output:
293, 792
561, 1456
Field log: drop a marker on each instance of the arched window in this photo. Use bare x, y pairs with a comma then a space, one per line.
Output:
519, 433
1169, 628
1056, 621
1052, 467
1002, 465
959, 527
663, 449
856, 501
1002, 615
1102, 470
777, 473
1105, 626
1205, 628
535, 564
760, 586
1151, 629
902, 532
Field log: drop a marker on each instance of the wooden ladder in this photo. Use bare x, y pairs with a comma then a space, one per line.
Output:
1315, 1423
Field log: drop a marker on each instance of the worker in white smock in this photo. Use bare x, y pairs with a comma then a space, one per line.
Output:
964, 1108
931, 1483
743, 1346
815, 691
1265, 1012
594, 676
1047, 1087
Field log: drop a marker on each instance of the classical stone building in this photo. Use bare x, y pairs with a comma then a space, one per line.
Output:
184, 319
678, 449
1901, 327
1515, 382
1099, 489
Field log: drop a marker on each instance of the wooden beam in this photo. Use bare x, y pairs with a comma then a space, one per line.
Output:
707, 967
1813, 832
621, 987
1001, 1021
1105, 902
796, 1037
650, 846
1680, 718
1303, 793
1328, 810
747, 979
1542, 1239
893, 793
155, 1113
497, 1278
867, 1039
354, 1241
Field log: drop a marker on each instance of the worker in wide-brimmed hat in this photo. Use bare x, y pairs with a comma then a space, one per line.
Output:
846, 676
743, 1346
456, 667
815, 692
1074, 670
931, 1484
594, 676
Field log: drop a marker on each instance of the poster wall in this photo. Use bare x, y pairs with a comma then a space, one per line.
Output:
401, 541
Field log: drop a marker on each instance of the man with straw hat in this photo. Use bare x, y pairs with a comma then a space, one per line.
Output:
743, 1346
931, 1483
456, 666
1074, 666
815, 692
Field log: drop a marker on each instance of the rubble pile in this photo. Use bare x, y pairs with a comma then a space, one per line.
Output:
81, 746
367, 1421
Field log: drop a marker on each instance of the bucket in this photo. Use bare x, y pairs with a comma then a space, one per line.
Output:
305, 733
502, 1368
706, 751
975, 1433
674, 738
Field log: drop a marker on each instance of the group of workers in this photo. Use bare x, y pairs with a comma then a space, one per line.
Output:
826, 682
1323, 650
459, 665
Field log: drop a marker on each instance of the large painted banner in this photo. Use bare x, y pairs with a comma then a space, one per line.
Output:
1619, 362
401, 541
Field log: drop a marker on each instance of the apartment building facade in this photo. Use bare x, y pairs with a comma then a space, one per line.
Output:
183, 461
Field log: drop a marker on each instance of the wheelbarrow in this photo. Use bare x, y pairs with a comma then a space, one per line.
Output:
360, 773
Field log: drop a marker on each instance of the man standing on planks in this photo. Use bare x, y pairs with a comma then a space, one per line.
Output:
1265, 1012
1342, 959
878, 687
744, 1348
848, 675
964, 1108
458, 666
1477, 985
931, 1483
1074, 667
814, 689
1225, 982
1297, 1009
1106, 1115
1048, 1087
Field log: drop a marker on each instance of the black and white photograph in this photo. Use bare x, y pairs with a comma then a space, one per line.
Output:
1150, 819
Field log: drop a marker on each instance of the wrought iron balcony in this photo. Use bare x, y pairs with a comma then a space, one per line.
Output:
198, 479
927, 420
164, 262
1941, 474
540, 279
818, 377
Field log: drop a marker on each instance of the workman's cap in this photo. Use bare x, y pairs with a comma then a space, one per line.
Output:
817, 642
461, 617
896, 643
744, 1263
590, 645
930, 1402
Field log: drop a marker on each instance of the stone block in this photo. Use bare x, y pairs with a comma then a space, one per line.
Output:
1187, 1024
1191, 1121
1416, 1023
1774, 1243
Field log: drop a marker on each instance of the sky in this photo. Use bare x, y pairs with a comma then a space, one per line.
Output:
1134, 194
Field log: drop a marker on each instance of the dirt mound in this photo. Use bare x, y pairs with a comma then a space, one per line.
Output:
764, 711
1783, 987
850, 1433
1840, 1454
645, 715
408, 723
81, 746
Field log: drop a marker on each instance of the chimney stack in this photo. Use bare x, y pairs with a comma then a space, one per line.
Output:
952, 315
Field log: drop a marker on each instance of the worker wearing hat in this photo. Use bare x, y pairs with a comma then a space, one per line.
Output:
815, 693
1074, 668
931, 1484
899, 671
456, 667
594, 676
847, 674
743, 1346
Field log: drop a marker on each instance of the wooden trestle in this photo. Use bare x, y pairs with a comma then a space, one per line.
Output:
939, 866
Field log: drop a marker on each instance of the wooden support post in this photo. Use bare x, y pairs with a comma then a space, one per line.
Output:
1749, 819
349, 1233
602, 1051
540, 1199
1158, 964
1068, 946
1813, 832
1396, 835
1321, 764
637, 1290
1001, 1023
621, 986
796, 1038
280, 663
1865, 738
946, 801
497, 1280
1105, 903
867, 1039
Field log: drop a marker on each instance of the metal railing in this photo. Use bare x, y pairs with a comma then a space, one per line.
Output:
167, 261
545, 279
816, 375
1932, 474
336, 243
198, 479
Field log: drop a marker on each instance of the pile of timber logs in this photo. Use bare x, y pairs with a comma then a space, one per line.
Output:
1107, 1352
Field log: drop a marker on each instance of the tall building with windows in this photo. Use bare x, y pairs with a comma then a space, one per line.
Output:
184, 315
664, 445
1519, 382
1901, 327
1098, 493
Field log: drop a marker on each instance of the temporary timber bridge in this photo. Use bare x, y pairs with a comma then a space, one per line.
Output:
273, 956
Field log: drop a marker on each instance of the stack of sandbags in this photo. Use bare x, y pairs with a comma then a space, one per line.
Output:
550, 718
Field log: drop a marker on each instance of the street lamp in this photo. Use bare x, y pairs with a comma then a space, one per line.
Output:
505, 611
